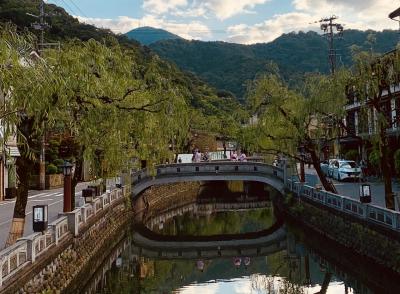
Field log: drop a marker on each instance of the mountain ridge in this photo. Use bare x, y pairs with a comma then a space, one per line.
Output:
229, 66
148, 35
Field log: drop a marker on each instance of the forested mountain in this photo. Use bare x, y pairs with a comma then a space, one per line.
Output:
228, 66
212, 109
149, 35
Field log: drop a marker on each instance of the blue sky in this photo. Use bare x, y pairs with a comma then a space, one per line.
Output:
241, 21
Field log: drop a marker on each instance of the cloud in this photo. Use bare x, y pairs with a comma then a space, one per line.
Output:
222, 9
270, 29
123, 24
162, 6
358, 14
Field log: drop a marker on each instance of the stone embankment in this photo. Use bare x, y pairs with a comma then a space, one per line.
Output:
162, 197
65, 255
371, 241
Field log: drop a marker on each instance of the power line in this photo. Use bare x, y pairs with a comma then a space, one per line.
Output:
79, 9
69, 7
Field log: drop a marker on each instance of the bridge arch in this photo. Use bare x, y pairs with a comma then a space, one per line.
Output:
209, 171
259, 243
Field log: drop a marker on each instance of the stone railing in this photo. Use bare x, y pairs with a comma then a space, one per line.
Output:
27, 249
233, 206
387, 218
222, 168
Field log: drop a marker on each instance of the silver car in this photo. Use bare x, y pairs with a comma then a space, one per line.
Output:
345, 169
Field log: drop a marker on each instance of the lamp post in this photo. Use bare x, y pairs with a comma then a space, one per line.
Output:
67, 171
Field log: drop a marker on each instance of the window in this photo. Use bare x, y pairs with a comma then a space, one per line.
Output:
349, 164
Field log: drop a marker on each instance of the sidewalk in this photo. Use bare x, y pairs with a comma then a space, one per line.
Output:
53, 198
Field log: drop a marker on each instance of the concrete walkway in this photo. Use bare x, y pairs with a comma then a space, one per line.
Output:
53, 198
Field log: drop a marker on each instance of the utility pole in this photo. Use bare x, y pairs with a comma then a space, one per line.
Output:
328, 26
41, 26
331, 30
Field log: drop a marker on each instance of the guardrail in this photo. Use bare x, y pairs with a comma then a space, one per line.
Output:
387, 218
27, 249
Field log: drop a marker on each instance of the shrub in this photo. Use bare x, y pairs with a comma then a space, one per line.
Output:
374, 158
58, 163
351, 155
51, 169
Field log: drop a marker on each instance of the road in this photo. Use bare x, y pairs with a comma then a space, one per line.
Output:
53, 198
351, 189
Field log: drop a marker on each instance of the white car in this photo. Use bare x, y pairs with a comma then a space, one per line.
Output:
324, 167
331, 166
345, 169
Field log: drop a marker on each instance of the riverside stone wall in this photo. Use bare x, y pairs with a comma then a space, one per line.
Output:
51, 261
161, 197
66, 268
377, 244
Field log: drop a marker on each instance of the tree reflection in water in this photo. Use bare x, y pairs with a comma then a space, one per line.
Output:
277, 285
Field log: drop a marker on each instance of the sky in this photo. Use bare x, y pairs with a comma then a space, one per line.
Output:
238, 21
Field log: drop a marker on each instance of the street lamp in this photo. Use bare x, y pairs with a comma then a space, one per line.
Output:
67, 171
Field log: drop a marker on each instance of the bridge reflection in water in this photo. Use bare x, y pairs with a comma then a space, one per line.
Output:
235, 245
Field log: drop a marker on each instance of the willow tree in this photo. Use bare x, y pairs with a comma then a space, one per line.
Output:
287, 120
91, 89
374, 83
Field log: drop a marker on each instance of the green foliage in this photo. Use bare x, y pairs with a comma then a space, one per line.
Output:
351, 155
229, 66
58, 163
52, 151
287, 119
221, 223
51, 169
374, 158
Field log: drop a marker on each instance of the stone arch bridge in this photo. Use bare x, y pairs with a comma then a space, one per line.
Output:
209, 171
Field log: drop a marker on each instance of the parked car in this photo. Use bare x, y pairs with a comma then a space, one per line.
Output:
345, 169
324, 167
331, 166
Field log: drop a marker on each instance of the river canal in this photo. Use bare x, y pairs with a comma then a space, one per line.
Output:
232, 244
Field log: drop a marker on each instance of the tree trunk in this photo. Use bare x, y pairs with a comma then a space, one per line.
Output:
325, 283
386, 171
328, 186
24, 167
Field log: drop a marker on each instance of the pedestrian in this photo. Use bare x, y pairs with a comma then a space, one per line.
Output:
237, 261
179, 160
194, 155
200, 265
206, 156
224, 146
197, 156
242, 157
246, 261
234, 156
